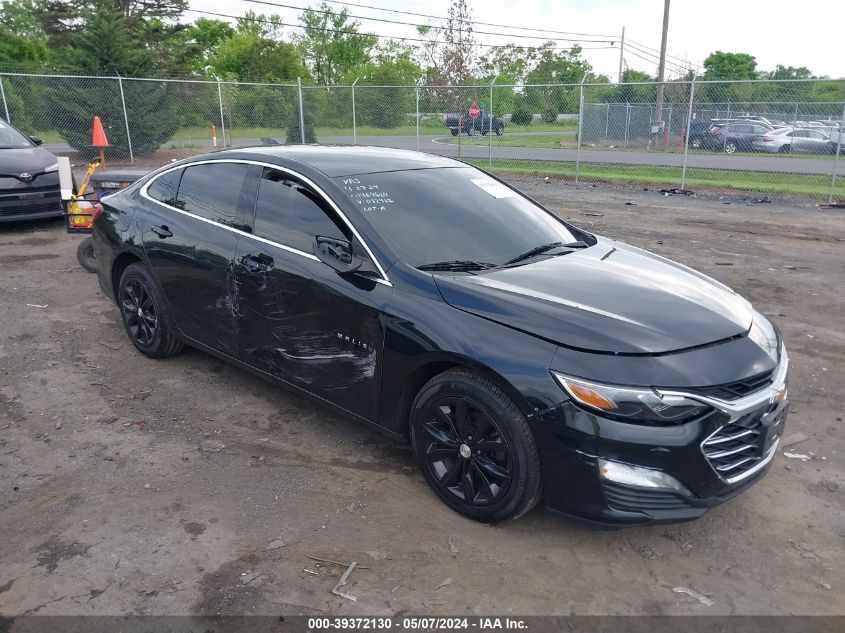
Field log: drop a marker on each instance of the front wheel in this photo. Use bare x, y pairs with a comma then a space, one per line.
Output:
695, 142
475, 448
85, 255
500, 129
454, 131
730, 147
144, 313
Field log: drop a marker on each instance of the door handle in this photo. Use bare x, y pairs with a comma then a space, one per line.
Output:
162, 231
258, 263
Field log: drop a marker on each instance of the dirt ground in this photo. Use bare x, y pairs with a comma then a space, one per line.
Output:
133, 486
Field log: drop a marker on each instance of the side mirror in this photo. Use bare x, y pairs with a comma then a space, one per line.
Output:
37, 140
336, 253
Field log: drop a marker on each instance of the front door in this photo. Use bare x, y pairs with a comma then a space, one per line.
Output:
301, 320
190, 245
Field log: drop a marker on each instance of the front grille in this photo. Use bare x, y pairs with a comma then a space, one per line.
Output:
20, 201
737, 389
631, 499
735, 448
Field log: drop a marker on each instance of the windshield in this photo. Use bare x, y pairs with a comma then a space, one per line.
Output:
10, 138
452, 213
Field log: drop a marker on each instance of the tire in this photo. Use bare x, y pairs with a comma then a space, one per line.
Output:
783, 149
695, 142
500, 129
454, 131
144, 313
495, 477
730, 147
85, 255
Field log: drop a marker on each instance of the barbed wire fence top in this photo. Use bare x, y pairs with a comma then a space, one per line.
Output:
756, 139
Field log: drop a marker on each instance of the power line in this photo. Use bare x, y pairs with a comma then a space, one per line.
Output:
437, 28
651, 61
653, 51
629, 47
404, 39
439, 17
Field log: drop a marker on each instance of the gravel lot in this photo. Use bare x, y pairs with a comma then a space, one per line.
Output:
133, 486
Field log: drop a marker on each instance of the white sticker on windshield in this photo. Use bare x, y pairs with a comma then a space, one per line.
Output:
495, 189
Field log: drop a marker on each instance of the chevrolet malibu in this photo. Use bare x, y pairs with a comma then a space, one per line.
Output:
523, 358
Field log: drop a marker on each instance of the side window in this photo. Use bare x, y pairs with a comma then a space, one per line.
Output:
216, 191
165, 186
289, 213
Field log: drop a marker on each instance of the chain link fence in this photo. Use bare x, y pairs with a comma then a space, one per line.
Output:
757, 139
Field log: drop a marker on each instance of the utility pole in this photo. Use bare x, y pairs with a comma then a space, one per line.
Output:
661, 68
621, 55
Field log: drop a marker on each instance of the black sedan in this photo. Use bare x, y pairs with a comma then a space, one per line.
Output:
522, 357
29, 178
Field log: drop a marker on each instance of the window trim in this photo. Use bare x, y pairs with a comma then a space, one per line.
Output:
314, 187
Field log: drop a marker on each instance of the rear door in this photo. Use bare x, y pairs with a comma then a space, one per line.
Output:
190, 237
301, 320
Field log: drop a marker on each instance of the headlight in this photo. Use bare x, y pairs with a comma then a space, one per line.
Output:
631, 404
53, 167
763, 333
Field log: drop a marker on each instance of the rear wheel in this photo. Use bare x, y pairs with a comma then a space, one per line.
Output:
500, 129
475, 448
144, 313
85, 255
454, 131
695, 142
783, 149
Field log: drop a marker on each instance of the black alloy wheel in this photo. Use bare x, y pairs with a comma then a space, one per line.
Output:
475, 447
466, 452
139, 313
144, 314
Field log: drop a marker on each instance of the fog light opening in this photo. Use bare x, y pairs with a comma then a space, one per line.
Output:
638, 476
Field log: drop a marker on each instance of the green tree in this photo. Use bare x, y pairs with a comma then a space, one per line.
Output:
393, 65
332, 44
256, 52
721, 65
556, 67
23, 43
635, 87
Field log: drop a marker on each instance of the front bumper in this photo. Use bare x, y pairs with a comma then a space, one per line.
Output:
30, 201
714, 458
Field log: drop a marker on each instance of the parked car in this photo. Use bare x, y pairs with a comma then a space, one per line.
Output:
465, 123
521, 356
700, 136
794, 141
753, 118
738, 136
29, 179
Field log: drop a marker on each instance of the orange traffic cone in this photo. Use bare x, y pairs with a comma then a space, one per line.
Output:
99, 140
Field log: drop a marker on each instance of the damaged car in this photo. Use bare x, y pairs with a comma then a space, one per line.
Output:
524, 359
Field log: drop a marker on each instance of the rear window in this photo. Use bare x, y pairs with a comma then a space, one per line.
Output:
215, 191
164, 187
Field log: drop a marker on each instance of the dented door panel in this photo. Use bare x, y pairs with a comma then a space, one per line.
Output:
307, 325
194, 267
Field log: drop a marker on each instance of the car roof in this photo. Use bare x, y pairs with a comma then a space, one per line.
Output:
347, 160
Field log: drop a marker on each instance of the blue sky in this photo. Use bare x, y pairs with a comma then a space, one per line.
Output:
808, 33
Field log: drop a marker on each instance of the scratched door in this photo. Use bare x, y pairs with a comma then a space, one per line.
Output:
300, 320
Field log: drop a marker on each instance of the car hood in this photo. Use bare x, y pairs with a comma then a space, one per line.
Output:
24, 159
610, 298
